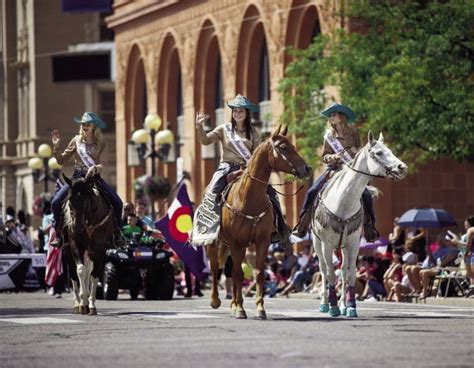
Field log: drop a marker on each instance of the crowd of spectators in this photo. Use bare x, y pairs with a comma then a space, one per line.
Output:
400, 269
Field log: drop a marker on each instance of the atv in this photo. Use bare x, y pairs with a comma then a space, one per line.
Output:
141, 264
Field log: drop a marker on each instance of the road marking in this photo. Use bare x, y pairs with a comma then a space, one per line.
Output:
38, 320
172, 315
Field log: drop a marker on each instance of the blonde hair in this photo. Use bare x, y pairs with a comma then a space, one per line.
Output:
99, 138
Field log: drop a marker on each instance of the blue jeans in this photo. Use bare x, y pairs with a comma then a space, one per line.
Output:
112, 194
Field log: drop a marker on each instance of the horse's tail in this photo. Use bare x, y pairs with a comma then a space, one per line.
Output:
374, 191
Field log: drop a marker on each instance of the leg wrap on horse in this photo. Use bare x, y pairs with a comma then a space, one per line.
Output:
350, 297
332, 296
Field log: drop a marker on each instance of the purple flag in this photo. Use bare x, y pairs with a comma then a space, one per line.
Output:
175, 227
82, 6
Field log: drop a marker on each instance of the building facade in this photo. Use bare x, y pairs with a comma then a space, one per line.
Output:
46, 55
175, 58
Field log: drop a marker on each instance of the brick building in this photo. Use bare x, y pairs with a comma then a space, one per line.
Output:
175, 58
55, 65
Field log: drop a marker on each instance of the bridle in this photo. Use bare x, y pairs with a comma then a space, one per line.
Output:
277, 152
373, 156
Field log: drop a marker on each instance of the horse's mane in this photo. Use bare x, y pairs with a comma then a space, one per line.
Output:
68, 208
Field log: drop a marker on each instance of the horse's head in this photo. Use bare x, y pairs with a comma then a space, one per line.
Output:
382, 161
283, 156
80, 196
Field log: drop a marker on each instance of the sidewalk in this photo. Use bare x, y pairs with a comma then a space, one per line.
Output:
450, 301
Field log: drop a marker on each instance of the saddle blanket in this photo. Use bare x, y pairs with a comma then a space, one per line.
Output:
206, 222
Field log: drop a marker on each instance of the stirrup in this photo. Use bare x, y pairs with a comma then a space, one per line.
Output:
275, 237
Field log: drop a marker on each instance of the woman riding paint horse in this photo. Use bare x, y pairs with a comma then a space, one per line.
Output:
87, 147
238, 140
345, 137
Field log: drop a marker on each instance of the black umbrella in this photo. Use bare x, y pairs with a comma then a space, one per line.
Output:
426, 217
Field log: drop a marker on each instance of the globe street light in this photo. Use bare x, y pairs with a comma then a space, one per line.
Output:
146, 140
44, 162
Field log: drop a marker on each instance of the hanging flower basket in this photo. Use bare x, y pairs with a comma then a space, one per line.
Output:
39, 203
154, 188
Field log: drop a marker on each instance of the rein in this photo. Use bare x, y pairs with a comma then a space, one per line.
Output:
387, 169
278, 184
293, 171
91, 228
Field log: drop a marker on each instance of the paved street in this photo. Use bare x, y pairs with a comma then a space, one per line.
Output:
39, 331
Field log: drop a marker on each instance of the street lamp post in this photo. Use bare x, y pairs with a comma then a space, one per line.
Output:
152, 137
44, 162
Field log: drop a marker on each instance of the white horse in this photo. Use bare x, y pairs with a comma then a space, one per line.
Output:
338, 219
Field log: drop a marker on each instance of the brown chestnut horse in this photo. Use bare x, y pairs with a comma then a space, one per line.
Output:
247, 216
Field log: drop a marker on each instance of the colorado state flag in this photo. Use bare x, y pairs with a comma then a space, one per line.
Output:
175, 226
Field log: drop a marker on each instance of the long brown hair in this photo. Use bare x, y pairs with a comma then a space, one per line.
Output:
247, 124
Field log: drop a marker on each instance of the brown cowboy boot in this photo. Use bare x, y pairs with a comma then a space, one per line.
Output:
302, 227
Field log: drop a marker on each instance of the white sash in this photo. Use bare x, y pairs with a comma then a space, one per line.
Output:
337, 146
237, 142
82, 151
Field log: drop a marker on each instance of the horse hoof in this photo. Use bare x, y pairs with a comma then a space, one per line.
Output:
215, 303
261, 315
351, 312
324, 308
240, 314
334, 311
84, 310
76, 310
93, 312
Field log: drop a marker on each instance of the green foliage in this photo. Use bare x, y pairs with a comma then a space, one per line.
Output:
408, 74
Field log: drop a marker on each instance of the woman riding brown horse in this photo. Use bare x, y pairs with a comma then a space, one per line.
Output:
247, 216
88, 226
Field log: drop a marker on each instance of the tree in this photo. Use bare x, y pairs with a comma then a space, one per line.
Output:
408, 73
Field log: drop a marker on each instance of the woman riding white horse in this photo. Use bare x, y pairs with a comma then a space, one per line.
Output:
346, 137
337, 221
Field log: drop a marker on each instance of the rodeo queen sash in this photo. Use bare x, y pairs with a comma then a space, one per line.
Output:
206, 223
337, 146
237, 142
85, 157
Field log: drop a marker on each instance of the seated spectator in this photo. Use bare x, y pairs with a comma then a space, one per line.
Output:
304, 272
409, 257
393, 274
131, 229
142, 213
445, 256
397, 237
402, 289
374, 272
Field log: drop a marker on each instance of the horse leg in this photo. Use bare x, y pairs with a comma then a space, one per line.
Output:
212, 252
334, 310
75, 297
93, 289
344, 268
238, 277
323, 305
351, 310
260, 279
